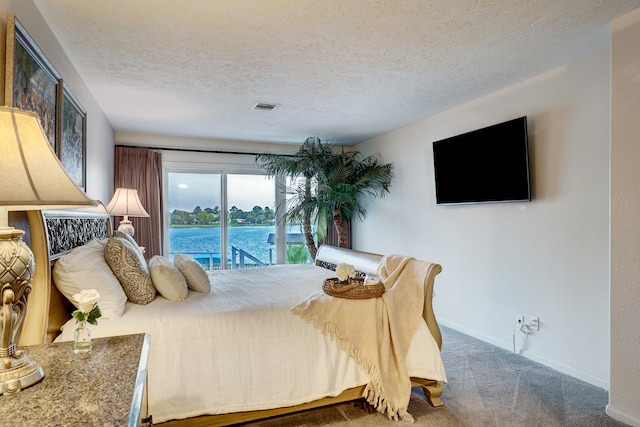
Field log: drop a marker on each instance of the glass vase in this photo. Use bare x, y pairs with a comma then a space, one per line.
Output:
82, 339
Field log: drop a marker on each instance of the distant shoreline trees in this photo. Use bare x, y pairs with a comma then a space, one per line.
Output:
210, 217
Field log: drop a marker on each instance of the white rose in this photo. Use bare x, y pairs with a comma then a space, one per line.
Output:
345, 271
341, 271
87, 299
351, 271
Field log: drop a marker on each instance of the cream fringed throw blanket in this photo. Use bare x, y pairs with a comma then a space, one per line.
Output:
377, 332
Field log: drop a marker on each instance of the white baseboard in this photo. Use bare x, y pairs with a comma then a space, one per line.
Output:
621, 416
598, 382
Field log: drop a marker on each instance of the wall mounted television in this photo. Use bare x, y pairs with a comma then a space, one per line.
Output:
488, 165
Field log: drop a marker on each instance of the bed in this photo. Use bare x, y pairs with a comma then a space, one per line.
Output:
232, 369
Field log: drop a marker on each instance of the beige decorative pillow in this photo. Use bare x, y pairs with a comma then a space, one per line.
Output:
129, 266
167, 279
128, 238
191, 269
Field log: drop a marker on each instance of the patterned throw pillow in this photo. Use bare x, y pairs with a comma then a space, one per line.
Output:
191, 269
130, 267
126, 237
167, 279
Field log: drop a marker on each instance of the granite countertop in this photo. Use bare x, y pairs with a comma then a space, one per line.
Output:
103, 388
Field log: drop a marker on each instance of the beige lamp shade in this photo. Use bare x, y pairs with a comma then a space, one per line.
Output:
31, 176
125, 202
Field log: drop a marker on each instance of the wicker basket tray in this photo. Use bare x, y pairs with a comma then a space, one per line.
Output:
354, 289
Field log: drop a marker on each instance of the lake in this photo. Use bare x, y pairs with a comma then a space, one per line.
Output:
204, 240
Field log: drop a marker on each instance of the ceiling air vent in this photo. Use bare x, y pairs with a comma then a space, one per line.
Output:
265, 106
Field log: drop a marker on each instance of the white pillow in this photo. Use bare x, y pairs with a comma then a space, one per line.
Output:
191, 269
130, 267
167, 279
84, 267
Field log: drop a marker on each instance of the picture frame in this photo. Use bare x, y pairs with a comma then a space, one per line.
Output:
31, 81
72, 123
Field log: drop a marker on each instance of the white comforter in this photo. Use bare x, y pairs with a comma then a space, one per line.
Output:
240, 348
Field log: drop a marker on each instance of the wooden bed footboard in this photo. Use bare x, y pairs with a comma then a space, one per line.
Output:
366, 262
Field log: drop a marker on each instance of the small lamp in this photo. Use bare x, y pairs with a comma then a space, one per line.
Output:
125, 202
31, 178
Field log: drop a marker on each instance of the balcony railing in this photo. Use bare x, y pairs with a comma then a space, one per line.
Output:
212, 261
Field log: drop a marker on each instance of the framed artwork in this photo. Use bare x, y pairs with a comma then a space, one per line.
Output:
73, 137
31, 82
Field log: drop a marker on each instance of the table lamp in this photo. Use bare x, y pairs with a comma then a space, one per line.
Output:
125, 202
31, 178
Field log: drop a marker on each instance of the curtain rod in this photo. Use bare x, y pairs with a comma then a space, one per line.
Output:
195, 150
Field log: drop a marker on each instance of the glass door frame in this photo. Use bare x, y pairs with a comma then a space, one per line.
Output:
223, 170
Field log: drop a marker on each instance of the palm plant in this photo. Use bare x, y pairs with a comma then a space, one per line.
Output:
310, 158
345, 182
333, 187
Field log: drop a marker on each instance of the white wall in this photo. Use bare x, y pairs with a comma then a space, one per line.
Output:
548, 258
100, 136
624, 397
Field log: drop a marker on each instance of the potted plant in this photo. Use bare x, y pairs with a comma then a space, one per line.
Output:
333, 188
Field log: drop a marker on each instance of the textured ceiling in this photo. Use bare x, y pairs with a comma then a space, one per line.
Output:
343, 70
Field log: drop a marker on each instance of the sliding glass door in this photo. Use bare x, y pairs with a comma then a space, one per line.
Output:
251, 220
195, 217
222, 220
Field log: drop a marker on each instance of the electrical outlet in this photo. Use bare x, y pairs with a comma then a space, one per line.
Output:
535, 322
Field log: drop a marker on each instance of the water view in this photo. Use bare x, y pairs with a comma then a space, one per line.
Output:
202, 241
195, 220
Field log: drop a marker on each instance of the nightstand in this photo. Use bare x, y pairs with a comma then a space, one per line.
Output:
105, 387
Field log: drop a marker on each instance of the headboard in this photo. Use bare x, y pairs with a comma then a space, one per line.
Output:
53, 234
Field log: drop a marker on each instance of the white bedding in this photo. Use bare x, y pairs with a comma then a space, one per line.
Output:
239, 348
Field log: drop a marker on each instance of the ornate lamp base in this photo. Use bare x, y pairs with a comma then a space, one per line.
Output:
17, 371
126, 227
16, 269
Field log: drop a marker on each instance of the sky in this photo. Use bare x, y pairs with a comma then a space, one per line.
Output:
244, 191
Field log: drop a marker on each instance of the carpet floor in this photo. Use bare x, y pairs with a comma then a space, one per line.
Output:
488, 386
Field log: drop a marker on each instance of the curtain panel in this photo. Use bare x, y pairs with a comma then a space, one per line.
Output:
141, 168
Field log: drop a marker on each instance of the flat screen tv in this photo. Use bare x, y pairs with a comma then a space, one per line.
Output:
487, 165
